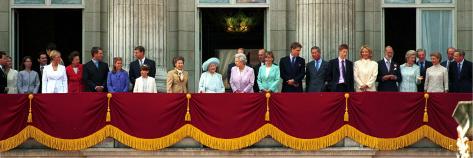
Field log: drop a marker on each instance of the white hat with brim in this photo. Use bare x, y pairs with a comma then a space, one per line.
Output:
206, 64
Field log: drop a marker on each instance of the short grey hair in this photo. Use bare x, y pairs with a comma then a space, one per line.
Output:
420, 50
411, 53
241, 57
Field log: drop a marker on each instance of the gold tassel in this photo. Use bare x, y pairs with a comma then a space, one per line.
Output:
188, 114
266, 116
30, 115
345, 116
108, 118
426, 116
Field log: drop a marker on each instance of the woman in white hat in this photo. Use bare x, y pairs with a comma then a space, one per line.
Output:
211, 81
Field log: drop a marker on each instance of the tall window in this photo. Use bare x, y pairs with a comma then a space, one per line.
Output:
435, 21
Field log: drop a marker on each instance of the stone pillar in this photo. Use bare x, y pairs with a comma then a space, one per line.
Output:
138, 22
326, 24
5, 26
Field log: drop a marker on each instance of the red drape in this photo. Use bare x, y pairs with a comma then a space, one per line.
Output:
148, 115
307, 115
440, 108
13, 114
228, 115
69, 116
386, 115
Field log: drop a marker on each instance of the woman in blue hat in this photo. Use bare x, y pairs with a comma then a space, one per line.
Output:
211, 81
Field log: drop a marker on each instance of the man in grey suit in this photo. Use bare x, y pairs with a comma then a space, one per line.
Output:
316, 72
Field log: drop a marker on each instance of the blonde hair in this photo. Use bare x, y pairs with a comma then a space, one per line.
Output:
411, 53
54, 53
370, 51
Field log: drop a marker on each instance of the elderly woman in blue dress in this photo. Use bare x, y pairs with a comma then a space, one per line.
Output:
269, 75
211, 81
410, 73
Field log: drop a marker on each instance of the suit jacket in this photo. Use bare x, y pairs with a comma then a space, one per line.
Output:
271, 82
420, 87
389, 85
135, 69
244, 81
3, 81
444, 64
256, 69
464, 83
333, 75
174, 84
150, 85
294, 71
54, 81
40, 75
315, 79
94, 76
74, 80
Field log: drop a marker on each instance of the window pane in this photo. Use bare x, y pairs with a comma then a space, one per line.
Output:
399, 1
251, 1
66, 1
437, 31
436, 1
29, 1
214, 1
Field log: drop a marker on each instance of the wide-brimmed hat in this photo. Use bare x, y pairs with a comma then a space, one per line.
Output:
206, 64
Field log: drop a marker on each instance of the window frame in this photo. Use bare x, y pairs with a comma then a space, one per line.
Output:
47, 5
420, 7
232, 4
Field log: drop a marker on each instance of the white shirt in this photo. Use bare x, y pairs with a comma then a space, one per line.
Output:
142, 61
388, 63
341, 79
54, 81
147, 85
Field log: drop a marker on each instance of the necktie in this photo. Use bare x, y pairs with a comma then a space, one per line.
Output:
459, 70
388, 65
96, 64
41, 69
317, 66
343, 69
421, 66
141, 62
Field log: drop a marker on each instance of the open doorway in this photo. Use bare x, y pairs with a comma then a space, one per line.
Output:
38, 29
226, 29
400, 31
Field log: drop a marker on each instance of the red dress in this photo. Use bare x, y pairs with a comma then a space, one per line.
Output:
74, 81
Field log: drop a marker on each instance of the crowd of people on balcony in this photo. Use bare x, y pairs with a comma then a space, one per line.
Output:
417, 74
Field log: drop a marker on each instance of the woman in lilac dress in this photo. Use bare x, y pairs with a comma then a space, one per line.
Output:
242, 76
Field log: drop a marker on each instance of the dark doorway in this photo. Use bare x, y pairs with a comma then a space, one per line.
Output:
400, 31
38, 28
221, 39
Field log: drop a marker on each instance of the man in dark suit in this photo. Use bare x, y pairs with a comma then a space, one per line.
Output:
450, 52
292, 70
3, 75
135, 66
389, 73
43, 62
261, 56
459, 74
95, 72
316, 72
340, 72
423, 65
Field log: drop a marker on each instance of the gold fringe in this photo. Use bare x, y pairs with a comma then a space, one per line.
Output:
149, 144
229, 144
426, 116
385, 143
108, 118
30, 115
15, 140
69, 144
266, 116
187, 118
308, 144
345, 116
440, 139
